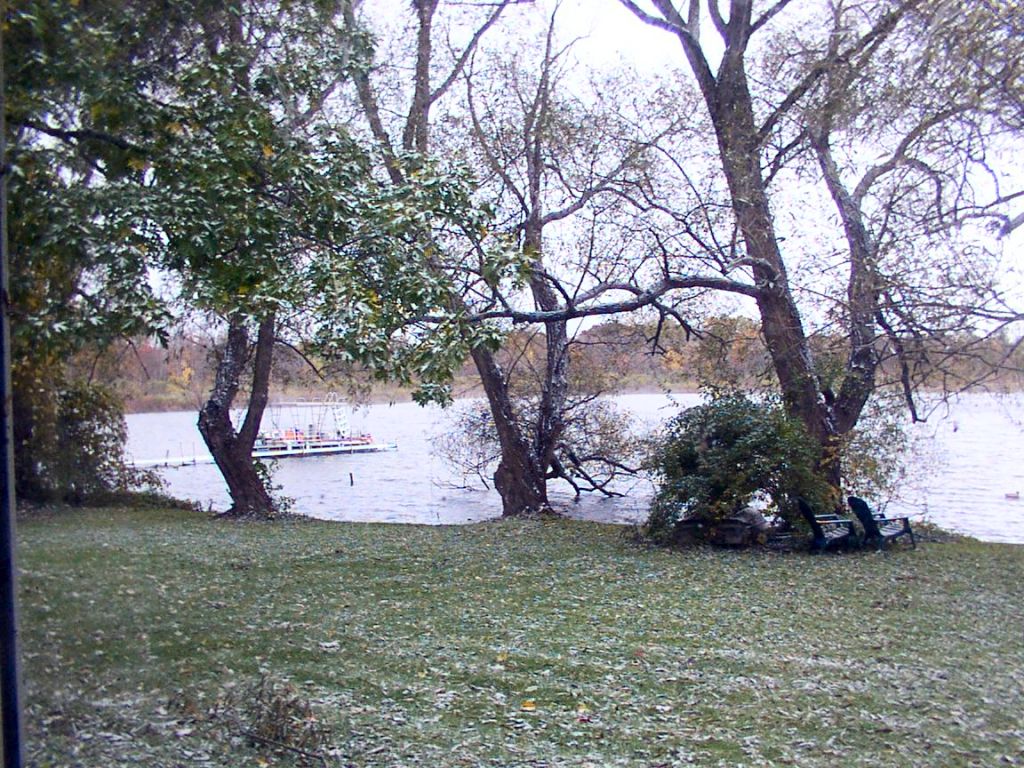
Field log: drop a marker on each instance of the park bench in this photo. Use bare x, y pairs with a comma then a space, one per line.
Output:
830, 531
877, 527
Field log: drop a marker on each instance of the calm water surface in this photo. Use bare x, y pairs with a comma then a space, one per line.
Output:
966, 464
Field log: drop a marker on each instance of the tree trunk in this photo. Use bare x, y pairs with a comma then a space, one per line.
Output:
862, 296
520, 477
555, 388
551, 416
417, 125
231, 449
732, 113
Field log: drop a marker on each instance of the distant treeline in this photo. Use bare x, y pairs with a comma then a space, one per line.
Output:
613, 356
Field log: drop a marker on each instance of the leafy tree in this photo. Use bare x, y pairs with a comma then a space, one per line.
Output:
230, 191
76, 279
201, 143
284, 219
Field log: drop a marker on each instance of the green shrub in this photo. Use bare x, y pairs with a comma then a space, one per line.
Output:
77, 453
716, 458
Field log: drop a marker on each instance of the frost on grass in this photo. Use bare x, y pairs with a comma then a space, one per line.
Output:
517, 643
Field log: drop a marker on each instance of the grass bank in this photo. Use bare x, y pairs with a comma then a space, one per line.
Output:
514, 643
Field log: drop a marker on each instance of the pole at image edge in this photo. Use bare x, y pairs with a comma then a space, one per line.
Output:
10, 678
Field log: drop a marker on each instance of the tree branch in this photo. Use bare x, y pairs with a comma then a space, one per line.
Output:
1011, 224
768, 15
371, 110
717, 19
460, 64
653, 21
879, 32
317, 371
499, 168
908, 387
642, 297
79, 135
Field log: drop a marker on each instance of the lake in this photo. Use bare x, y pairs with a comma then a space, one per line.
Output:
966, 468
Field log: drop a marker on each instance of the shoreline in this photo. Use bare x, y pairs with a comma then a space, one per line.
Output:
958, 477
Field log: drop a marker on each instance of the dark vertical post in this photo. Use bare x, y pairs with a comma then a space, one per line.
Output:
10, 679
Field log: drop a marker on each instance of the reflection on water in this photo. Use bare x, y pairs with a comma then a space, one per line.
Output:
965, 469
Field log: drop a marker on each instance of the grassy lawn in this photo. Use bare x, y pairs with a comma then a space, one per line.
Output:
515, 643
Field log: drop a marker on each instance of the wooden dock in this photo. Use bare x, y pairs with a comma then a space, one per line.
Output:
289, 451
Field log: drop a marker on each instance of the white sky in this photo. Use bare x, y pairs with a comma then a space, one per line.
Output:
612, 33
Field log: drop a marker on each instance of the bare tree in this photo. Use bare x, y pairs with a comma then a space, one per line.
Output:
541, 165
598, 445
850, 106
870, 77
554, 161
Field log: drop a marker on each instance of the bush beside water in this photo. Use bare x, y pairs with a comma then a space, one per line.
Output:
717, 458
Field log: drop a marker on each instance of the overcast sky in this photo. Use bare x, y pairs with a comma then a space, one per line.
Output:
612, 34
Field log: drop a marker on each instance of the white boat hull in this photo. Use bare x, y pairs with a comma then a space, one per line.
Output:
319, 449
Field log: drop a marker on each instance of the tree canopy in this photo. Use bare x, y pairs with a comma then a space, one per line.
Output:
194, 148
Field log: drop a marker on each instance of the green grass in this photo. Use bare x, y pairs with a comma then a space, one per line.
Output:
514, 643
